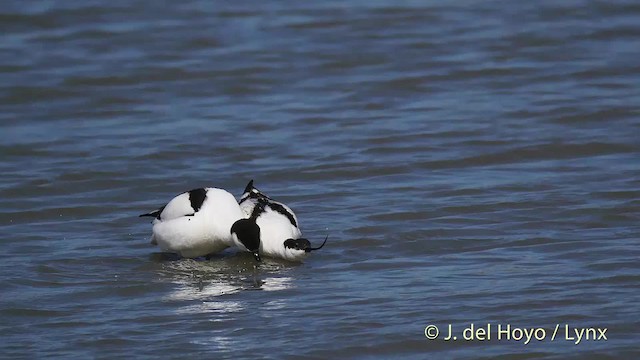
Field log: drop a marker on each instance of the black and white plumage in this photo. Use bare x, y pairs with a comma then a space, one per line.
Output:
196, 223
278, 228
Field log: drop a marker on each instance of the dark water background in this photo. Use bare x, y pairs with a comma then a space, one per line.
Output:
473, 162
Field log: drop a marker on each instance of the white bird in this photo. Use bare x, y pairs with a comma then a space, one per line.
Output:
274, 225
196, 223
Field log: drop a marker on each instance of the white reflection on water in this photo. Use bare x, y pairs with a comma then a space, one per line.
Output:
212, 284
220, 343
277, 283
201, 291
222, 307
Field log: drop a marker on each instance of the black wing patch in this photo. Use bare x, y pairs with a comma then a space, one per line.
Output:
196, 198
277, 207
258, 209
253, 193
249, 187
155, 213
282, 210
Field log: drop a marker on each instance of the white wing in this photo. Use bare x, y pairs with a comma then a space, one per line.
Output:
178, 206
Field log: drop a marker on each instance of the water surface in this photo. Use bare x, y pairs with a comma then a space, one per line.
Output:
471, 162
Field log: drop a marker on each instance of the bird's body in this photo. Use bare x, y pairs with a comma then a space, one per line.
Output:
275, 229
280, 235
196, 223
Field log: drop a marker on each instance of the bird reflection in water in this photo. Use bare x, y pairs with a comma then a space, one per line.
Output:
210, 282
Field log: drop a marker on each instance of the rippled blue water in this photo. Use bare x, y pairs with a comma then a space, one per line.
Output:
471, 162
